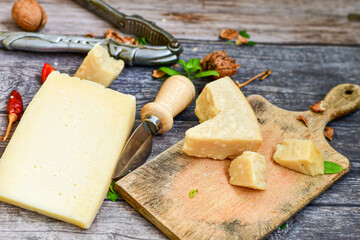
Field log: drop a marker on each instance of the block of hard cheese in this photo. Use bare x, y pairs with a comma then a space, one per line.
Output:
100, 67
249, 170
229, 125
300, 155
60, 160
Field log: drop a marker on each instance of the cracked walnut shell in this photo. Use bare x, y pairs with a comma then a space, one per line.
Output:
220, 62
29, 15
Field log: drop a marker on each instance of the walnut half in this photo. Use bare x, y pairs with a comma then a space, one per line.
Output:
220, 62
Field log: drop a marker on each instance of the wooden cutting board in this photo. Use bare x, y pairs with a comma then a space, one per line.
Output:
159, 189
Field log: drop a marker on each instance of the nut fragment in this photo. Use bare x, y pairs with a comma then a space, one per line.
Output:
303, 119
329, 132
241, 41
220, 62
318, 107
158, 74
229, 34
112, 34
90, 35
29, 15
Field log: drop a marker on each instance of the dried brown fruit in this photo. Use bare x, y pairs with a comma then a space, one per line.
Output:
158, 74
112, 34
303, 119
241, 41
329, 132
229, 34
220, 62
29, 15
318, 107
90, 35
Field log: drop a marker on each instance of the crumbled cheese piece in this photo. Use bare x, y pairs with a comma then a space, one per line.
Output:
300, 155
249, 170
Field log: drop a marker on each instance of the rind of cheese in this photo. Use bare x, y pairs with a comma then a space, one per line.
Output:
228, 123
99, 67
60, 160
249, 170
300, 155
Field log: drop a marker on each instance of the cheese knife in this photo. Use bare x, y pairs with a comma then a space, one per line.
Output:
176, 93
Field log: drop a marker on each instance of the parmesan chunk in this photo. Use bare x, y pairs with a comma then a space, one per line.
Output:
99, 67
249, 170
300, 155
60, 160
228, 124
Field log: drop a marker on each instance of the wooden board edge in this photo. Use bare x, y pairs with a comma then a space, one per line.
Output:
144, 212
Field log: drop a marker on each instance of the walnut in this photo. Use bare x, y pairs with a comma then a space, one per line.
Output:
29, 15
112, 34
220, 62
229, 34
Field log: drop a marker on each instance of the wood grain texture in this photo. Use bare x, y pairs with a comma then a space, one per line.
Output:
277, 21
159, 189
302, 75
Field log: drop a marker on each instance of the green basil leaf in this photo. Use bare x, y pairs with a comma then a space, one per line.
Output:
331, 167
193, 65
184, 64
169, 71
283, 226
229, 42
206, 74
192, 193
244, 34
112, 194
250, 43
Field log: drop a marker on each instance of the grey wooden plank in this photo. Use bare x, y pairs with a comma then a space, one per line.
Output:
119, 221
268, 21
302, 76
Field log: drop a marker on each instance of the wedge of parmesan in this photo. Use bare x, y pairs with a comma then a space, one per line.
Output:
60, 160
228, 123
98, 66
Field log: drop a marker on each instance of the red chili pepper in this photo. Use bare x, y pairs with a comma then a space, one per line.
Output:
14, 110
47, 69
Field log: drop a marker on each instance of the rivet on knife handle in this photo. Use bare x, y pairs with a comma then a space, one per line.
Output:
174, 96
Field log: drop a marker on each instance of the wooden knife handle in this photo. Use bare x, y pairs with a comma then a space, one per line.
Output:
341, 100
174, 96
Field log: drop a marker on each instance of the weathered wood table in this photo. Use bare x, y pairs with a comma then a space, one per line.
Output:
310, 46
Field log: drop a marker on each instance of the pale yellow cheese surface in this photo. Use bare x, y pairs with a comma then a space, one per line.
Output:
300, 155
228, 123
60, 160
98, 66
249, 170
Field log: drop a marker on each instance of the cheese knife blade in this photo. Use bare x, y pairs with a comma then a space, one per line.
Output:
174, 96
138, 147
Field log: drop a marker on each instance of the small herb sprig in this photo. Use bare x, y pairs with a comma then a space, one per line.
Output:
192, 193
192, 69
112, 194
244, 34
